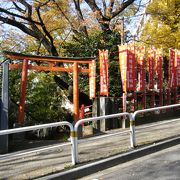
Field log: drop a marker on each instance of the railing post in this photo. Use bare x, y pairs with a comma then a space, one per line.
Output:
74, 151
132, 131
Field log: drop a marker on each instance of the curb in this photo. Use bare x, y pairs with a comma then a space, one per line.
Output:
100, 165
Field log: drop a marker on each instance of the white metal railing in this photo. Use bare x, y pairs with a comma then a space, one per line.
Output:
36, 127
153, 109
132, 129
74, 129
132, 123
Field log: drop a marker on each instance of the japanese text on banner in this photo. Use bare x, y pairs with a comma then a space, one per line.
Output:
131, 79
92, 80
151, 64
141, 68
103, 57
172, 69
159, 63
178, 67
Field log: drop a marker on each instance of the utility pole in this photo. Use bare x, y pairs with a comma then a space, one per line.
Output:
4, 104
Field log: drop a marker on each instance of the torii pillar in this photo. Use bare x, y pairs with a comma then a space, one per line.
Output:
75, 92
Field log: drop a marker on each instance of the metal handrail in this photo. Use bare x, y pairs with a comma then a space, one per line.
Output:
36, 127
93, 119
154, 109
74, 130
99, 118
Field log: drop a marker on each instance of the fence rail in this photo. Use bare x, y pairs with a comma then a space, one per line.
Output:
42, 126
154, 109
74, 129
132, 130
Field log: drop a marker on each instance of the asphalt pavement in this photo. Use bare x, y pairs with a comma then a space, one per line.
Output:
162, 165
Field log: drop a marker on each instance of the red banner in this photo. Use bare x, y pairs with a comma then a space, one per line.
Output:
159, 63
123, 65
172, 69
178, 67
141, 68
103, 57
92, 80
127, 67
151, 64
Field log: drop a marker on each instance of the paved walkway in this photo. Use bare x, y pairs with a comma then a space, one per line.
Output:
37, 164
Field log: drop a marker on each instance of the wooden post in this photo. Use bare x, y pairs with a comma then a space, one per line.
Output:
143, 100
152, 99
175, 95
134, 101
23, 91
161, 97
75, 92
82, 113
169, 96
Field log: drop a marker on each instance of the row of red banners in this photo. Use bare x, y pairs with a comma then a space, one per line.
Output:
154, 60
127, 53
128, 69
103, 58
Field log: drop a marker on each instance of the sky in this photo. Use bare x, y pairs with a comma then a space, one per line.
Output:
135, 20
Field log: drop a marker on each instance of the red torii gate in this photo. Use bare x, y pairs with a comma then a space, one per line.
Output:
52, 61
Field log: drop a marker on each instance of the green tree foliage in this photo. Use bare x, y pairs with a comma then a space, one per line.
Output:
44, 94
44, 102
162, 28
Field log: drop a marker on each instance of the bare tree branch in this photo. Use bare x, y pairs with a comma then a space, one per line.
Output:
111, 4
80, 16
104, 7
122, 7
17, 24
28, 6
19, 8
19, 16
53, 49
102, 19
43, 25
